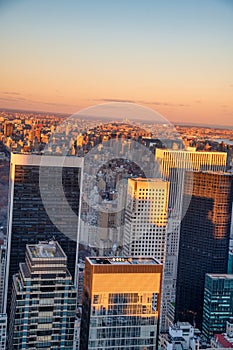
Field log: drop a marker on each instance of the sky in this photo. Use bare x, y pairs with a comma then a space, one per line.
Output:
175, 57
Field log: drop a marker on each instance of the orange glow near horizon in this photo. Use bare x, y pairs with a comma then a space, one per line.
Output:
94, 52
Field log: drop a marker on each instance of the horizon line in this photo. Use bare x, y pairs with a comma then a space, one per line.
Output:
178, 123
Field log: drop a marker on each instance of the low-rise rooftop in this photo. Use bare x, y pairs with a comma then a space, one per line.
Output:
123, 261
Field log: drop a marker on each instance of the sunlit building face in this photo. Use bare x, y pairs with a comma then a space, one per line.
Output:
146, 218
121, 303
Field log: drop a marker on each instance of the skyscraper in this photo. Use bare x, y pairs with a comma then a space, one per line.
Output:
204, 238
3, 333
43, 306
145, 231
146, 218
173, 165
2, 272
218, 304
121, 303
29, 220
198, 160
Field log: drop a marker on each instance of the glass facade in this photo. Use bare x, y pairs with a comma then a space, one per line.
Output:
173, 165
218, 304
29, 221
204, 239
2, 273
121, 305
3, 335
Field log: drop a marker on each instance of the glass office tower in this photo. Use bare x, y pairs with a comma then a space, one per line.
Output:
3, 333
204, 239
121, 304
2, 272
218, 304
29, 221
173, 164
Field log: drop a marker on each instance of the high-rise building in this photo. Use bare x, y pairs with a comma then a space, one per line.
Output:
33, 218
3, 331
145, 231
198, 160
173, 165
230, 261
43, 306
204, 239
146, 218
2, 272
121, 303
218, 304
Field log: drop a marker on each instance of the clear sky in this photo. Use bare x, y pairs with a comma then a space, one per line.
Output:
173, 56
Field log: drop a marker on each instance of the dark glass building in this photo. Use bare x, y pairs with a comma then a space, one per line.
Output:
43, 205
204, 239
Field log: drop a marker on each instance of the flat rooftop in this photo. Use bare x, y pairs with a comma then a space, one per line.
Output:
220, 276
180, 325
123, 261
145, 179
46, 250
46, 160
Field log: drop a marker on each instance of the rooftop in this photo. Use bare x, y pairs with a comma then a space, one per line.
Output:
220, 276
191, 151
224, 341
180, 325
143, 179
48, 250
123, 261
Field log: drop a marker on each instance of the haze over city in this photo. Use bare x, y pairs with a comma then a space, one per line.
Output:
173, 56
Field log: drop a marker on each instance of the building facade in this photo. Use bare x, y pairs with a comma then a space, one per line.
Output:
8, 129
2, 272
145, 230
204, 239
121, 303
224, 340
181, 336
3, 331
173, 165
218, 304
43, 305
195, 160
146, 218
33, 217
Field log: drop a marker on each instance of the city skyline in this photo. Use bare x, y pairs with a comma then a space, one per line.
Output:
172, 57
116, 174
38, 213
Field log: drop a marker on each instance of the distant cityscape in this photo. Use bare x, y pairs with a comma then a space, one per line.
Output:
114, 234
